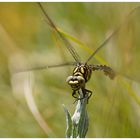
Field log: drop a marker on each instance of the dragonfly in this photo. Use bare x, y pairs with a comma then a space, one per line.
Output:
111, 102
82, 71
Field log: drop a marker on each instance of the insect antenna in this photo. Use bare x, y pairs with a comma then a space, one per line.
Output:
66, 42
113, 34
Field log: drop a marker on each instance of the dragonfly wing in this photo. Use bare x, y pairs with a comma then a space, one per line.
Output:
65, 41
44, 67
112, 34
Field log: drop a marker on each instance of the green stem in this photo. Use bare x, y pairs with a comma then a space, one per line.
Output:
77, 125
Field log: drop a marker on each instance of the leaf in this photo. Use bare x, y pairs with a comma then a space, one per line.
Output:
83, 122
131, 92
68, 122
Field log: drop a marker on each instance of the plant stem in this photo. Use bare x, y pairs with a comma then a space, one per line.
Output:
77, 125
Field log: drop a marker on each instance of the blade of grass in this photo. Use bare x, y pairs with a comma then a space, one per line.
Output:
83, 46
33, 108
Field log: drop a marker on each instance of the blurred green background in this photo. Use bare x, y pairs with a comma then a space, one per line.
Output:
31, 103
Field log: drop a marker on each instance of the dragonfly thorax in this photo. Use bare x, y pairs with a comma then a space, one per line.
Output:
81, 74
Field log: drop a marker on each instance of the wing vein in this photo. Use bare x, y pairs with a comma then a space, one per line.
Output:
66, 42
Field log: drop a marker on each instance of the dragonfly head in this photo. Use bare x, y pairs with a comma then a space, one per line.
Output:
76, 82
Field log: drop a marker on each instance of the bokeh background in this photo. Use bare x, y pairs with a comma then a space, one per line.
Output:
31, 102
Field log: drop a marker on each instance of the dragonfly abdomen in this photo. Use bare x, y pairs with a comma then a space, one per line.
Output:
106, 69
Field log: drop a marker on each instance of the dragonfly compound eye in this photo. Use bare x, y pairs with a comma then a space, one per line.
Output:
81, 79
76, 82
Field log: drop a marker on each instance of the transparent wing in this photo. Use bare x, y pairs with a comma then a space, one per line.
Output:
113, 33
43, 67
66, 42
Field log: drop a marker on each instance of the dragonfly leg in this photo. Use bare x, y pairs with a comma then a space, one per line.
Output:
85, 92
74, 93
88, 92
